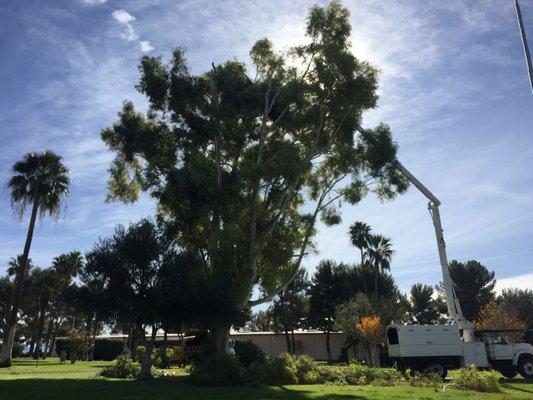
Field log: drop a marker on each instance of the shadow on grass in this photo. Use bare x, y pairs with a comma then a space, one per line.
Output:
505, 383
161, 389
31, 361
54, 362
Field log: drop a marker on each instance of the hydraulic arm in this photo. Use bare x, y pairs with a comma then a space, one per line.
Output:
452, 302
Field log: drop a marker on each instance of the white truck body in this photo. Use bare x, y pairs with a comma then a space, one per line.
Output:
425, 341
419, 342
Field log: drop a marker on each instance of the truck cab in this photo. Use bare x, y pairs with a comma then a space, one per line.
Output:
506, 354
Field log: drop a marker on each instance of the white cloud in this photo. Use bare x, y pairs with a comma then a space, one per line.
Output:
124, 18
520, 282
94, 2
146, 46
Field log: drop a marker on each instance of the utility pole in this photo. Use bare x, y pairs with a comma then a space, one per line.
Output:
524, 43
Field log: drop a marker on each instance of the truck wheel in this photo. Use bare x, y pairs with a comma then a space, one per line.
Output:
525, 366
436, 368
508, 373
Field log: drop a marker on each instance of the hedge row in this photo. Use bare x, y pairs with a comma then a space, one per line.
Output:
104, 349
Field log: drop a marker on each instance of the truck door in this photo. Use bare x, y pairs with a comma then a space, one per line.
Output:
500, 349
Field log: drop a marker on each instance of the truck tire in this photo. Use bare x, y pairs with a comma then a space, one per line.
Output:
508, 373
436, 368
525, 366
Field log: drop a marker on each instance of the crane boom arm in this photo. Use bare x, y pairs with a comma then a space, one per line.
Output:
452, 302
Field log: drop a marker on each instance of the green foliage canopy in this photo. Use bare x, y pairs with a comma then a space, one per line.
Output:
231, 155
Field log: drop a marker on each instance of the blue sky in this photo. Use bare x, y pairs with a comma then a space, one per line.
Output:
453, 87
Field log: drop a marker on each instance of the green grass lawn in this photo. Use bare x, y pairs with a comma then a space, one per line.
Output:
52, 380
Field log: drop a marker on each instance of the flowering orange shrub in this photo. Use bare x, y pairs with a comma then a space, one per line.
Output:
370, 328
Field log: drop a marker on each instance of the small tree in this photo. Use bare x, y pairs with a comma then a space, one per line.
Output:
79, 344
518, 302
494, 317
329, 288
261, 321
349, 314
371, 331
289, 310
422, 308
474, 286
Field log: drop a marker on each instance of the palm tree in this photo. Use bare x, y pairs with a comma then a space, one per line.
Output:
360, 236
67, 266
13, 266
380, 254
39, 180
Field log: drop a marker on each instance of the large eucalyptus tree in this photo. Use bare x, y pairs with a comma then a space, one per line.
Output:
243, 160
39, 181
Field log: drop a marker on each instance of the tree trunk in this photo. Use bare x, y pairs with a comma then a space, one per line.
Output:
40, 328
164, 360
93, 344
133, 343
34, 332
288, 340
293, 343
364, 276
48, 335
328, 346
221, 339
376, 282
373, 354
146, 359
16, 294
54, 335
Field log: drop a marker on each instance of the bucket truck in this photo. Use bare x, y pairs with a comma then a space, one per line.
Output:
437, 348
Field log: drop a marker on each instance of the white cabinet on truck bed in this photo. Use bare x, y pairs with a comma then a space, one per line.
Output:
424, 341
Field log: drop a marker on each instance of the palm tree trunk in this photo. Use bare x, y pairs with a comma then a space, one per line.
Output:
376, 282
16, 295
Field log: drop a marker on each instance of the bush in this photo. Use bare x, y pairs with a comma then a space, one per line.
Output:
248, 353
78, 344
217, 370
61, 345
140, 351
471, 378
357, 373
17, 350
282, 370
330, 374
255, 375
107, 349
123, 368
289, 369
425, 380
